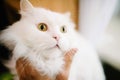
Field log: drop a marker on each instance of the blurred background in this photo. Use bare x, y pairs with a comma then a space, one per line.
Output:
97, 20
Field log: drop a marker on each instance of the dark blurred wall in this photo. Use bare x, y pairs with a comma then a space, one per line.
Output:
7, 17
3, 18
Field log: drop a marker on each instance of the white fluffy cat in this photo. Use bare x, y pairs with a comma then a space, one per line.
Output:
43, 37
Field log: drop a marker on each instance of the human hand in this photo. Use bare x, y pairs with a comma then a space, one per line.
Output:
63, 75
26, 71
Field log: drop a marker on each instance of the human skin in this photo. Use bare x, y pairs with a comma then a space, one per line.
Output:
63, 75
26, 71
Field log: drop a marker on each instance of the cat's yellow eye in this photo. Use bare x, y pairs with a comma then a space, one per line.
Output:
63, 29
42, 27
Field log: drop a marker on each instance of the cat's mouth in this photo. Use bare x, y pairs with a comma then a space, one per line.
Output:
57, 46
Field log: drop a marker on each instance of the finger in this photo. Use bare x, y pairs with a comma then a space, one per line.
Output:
71, 52
69, 55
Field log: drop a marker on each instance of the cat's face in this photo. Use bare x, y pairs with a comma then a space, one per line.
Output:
45, 29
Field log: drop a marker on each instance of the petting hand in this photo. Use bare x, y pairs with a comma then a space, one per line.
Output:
68, 59
26, 71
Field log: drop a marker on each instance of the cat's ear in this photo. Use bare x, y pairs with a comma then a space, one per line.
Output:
25, 6
68, 14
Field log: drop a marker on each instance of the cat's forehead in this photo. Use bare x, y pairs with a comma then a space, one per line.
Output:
50, 16
45, 12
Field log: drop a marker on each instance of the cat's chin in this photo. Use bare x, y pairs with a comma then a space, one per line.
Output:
63, 47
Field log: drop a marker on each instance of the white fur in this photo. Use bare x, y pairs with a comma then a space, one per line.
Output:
26, 40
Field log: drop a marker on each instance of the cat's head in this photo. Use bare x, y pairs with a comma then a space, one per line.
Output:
42, 28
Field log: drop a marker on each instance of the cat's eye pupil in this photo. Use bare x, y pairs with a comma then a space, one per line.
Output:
63, 29
42, 27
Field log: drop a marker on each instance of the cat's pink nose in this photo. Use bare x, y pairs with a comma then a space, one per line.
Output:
56, 37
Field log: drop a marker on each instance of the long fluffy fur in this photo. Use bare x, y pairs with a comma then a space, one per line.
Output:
26, 40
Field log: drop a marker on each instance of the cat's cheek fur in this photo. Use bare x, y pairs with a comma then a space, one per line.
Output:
64, 45
20, 50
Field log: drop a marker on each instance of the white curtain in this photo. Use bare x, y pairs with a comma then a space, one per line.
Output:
94, 17
99, 22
